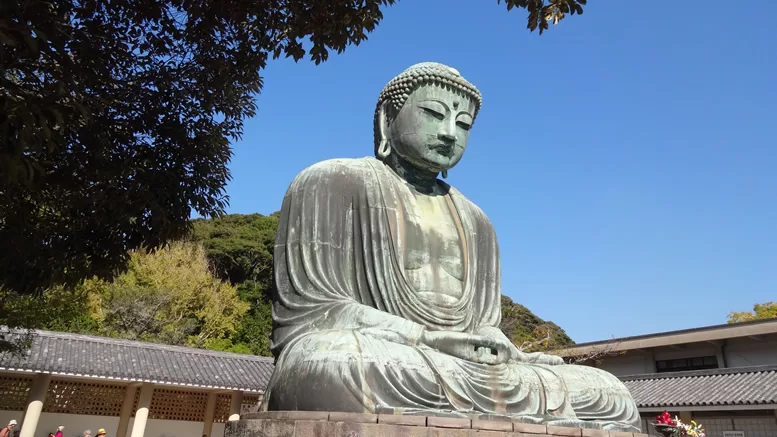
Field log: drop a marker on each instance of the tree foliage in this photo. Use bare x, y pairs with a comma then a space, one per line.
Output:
541, 14
255, 329
57, 309
241, 248
529, 332
168, 295
117, 116
761, 311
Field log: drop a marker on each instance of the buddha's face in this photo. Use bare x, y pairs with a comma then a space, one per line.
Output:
432, 128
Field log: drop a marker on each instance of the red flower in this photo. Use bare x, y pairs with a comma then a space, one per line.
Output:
665, 419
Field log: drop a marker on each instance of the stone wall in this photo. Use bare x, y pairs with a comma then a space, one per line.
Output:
331, 424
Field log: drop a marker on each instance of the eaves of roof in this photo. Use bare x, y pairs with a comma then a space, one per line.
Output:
671, 338
89, 356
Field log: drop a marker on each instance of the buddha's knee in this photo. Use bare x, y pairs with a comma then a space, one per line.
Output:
584, 379
316, 373
598, 395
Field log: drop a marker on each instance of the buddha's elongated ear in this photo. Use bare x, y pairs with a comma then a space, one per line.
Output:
384, 147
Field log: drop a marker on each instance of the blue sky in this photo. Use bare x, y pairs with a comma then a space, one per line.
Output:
626, 157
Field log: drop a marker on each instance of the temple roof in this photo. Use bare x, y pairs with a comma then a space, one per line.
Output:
124, 360
742, 386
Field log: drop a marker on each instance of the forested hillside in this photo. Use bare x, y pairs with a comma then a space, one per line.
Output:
530, 332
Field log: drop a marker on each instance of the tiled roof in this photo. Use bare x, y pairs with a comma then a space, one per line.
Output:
707, 388
99, 357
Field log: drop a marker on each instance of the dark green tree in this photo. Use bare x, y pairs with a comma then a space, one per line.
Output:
241, 249
117, 116
253, 333
240, 246
56, 309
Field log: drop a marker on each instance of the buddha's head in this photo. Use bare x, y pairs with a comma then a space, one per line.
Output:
424, 116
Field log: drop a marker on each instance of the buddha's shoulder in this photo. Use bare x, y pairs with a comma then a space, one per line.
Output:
343, 165
338, 171
474, 210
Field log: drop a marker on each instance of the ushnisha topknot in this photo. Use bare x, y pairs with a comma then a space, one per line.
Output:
397, 91
399, 88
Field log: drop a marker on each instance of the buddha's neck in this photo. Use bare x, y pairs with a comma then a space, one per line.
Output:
423, 180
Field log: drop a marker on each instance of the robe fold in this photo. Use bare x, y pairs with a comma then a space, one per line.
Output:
347, 324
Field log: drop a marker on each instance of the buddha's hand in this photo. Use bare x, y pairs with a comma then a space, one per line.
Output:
475, 348
515, 355
538, 358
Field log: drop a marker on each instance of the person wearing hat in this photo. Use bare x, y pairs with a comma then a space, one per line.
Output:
100, 432
60, 431
6, 431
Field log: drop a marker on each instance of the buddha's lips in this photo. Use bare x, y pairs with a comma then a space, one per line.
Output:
443, 149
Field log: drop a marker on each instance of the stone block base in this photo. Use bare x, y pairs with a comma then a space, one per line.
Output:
332, 424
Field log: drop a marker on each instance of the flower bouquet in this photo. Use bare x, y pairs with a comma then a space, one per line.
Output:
669, 427
692, 429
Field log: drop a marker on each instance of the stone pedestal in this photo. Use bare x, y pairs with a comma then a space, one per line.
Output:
332, 424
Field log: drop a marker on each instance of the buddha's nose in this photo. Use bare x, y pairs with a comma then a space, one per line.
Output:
446, 136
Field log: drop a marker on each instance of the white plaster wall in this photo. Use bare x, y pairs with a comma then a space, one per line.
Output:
218, 430
747, 352
177, 428
629, 364
75, 424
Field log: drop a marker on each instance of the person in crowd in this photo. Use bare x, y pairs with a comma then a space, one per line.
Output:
7, 431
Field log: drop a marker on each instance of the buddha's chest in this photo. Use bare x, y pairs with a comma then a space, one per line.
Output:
433, 255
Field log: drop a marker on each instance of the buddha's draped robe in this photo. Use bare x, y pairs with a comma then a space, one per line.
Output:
347, 324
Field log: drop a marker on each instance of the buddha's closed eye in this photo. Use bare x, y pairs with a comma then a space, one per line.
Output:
433, 113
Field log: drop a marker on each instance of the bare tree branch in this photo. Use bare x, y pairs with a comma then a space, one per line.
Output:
545, 341
593, 355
